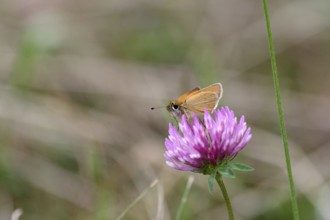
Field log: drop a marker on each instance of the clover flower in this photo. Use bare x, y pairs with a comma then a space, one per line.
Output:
205, 145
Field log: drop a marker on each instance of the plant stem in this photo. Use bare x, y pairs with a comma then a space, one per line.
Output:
218, 177
280, 114
184, 198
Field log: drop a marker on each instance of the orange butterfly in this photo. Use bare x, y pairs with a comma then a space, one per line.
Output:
196, 101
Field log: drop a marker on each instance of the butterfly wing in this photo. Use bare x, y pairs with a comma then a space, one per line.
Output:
206, 98
184, 97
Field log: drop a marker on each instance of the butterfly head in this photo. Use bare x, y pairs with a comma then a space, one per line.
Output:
175, 109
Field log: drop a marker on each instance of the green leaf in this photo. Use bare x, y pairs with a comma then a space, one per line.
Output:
241, 167
211, 182
226, 171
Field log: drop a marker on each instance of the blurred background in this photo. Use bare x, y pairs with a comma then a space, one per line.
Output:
78, 78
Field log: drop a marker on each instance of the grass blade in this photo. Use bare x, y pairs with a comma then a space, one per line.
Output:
137, 200
280, 114
184, 197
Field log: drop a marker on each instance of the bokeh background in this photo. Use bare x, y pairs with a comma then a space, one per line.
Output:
78, 78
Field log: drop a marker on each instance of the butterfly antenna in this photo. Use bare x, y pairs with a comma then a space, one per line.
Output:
153, 108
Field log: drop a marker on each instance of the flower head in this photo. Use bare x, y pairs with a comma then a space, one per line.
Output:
206, 144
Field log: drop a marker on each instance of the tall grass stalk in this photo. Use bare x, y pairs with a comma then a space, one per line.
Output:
137, 200
280, 113
184, 198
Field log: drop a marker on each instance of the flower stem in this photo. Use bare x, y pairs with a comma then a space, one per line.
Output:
225, 196
280, 114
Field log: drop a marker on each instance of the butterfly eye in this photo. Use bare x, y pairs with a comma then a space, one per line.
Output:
175, 107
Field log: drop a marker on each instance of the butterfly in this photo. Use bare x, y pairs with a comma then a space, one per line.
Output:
195, 101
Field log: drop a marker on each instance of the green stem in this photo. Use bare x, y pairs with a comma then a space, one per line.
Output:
280, 114
225, 196
184, 198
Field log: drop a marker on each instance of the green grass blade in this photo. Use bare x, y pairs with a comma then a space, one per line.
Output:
137, 200
280, 114
184, 197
